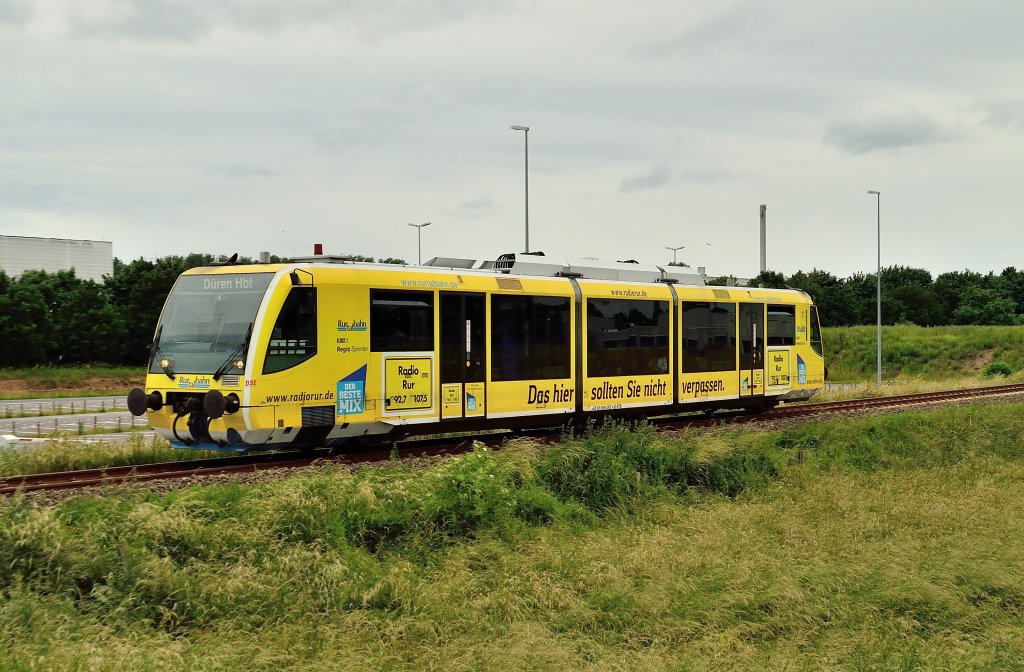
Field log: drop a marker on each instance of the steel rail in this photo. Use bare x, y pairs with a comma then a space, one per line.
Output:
66, 480
827, 407
438, 446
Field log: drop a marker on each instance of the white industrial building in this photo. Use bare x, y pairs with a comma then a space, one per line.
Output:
91, 259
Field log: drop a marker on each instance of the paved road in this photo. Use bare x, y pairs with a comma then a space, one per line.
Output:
69, 415
70, 424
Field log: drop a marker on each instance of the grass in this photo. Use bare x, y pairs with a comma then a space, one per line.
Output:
60, 374
904, 385
930, 353
883, 543
69, 381
66, 454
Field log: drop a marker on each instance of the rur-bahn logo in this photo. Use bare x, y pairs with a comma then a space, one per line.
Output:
357, 325
200, 382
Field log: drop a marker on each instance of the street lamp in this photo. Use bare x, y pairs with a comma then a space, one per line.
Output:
674, 252
419, 241
526, 170
878, 278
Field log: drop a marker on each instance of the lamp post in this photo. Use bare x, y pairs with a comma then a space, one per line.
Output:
878, 278
419, 241
674, 249
526, 170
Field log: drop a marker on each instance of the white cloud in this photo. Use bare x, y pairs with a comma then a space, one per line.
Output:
1005, 113
881, 131
239, 172
15, 12
477, 204
653, 178
699, 32
191, 20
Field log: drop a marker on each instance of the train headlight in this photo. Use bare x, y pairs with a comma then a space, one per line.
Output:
166, 363
239, 363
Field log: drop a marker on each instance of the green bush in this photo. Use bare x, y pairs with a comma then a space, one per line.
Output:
997, 369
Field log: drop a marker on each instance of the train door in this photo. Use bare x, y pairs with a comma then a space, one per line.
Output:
751, 325
463, 354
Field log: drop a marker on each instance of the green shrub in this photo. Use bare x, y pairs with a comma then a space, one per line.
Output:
997, 369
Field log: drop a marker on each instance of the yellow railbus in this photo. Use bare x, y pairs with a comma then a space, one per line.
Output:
322, 351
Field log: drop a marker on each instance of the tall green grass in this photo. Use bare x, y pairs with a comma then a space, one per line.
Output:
58, 374
63, 381
922, 352
68, 454
878, 543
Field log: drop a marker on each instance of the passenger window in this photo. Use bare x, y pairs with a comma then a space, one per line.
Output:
530, 337
401, 321
627, 337
293, 339
781, 325
709, 336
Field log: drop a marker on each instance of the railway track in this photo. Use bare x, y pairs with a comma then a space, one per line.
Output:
217, 466
431, 447
852, 405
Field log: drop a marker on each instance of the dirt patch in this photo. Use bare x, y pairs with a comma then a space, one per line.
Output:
978, 362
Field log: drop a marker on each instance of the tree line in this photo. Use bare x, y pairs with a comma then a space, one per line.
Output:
59, 318
910, 296
54, 318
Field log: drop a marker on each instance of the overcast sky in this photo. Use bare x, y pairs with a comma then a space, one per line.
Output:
171, 126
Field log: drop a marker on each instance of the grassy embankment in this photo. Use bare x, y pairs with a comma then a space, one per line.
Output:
69, 381
68, 454
927, 353
891, 542
920, 359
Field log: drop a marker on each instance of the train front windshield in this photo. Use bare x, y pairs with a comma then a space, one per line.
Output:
207, 322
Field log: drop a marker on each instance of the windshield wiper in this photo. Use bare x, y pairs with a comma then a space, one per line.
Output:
156, 353
235, 354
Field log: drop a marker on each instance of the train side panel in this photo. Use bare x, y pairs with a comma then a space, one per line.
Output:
747, 347
627, 343
531, 349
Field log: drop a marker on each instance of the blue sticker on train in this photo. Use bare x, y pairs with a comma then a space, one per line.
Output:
801, 371
470, 402
352, 392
